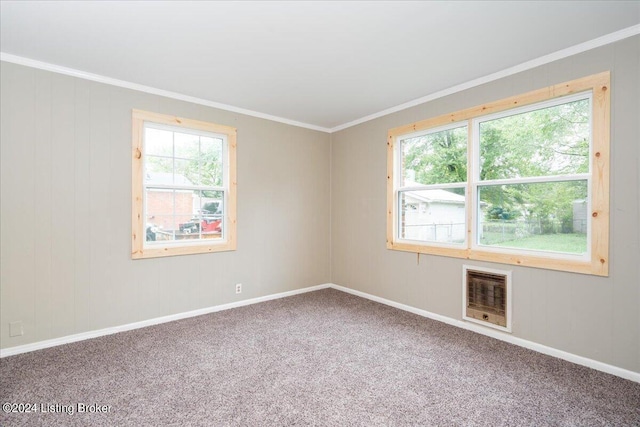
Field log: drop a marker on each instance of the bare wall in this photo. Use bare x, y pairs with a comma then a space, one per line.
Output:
594, 317
65, 222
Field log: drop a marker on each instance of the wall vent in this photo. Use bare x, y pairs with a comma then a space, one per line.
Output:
486, 295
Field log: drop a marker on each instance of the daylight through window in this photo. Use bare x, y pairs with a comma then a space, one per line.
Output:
520, 181
184, 186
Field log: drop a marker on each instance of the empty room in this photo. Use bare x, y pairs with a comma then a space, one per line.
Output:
320, 213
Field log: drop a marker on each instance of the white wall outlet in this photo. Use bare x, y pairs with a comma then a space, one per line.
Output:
15, 329
238, 288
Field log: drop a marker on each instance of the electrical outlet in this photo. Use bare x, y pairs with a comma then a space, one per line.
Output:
15, 329
238, 288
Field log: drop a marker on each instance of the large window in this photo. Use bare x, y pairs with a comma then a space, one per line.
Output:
183, 186
520, 181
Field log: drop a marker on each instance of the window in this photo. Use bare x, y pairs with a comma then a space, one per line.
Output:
524, 180
433, 167
184, 186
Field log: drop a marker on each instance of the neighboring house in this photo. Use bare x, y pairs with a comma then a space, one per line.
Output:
434, 215
160, 201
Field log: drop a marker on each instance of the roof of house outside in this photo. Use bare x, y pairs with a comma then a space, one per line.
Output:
437, 196
166, 178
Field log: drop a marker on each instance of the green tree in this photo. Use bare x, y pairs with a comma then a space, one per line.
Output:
437, 158
197, 159
545, 142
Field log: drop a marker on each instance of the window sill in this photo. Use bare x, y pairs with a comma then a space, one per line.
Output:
552, 262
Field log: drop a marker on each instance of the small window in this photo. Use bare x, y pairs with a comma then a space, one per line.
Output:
519, 181
183, 186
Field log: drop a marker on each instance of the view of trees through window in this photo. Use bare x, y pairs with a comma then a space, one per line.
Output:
551, 144
531, 178
197, 158
436, 158
434, 214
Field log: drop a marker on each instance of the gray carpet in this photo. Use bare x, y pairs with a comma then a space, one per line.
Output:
324, 358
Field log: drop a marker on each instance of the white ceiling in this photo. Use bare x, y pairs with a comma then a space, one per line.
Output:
321, 64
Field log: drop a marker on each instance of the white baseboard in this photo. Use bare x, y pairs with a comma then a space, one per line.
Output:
156, 321
503, 336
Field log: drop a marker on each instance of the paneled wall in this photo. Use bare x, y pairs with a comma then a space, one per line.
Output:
66, 211
593, 317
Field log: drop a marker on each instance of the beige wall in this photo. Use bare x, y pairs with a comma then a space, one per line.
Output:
594, 317
66, 208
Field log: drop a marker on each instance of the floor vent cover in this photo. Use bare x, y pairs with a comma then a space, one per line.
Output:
487, 297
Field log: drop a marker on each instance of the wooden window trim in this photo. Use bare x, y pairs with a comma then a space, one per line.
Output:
599, 85
138, 249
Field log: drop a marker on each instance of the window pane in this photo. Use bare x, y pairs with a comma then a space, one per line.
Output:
158, 142
435, 158
159, 201
184, 215
546, 216
544, 142
167, 210
186, 145
158, 170
186, 172
433, 215
209, 214
211, 161
184, 211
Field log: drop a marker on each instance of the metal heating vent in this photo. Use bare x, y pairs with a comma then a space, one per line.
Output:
487, 297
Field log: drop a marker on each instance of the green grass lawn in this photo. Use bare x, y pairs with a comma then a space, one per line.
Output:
571, 242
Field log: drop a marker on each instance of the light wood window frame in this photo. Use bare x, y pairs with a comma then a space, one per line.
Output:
598, 264
138, 248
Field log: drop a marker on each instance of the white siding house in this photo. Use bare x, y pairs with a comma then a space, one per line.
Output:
433, 215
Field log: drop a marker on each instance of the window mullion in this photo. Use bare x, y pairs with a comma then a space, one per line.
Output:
535, 179
173, 179
184, 187
471, 192
433, 186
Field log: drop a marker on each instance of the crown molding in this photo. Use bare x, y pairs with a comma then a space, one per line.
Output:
561, 54
15, 59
